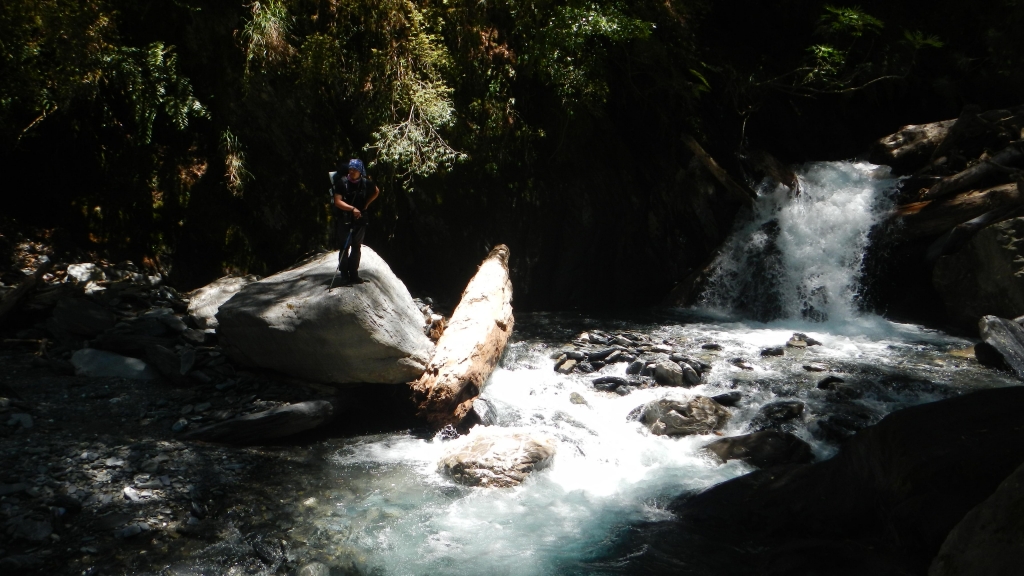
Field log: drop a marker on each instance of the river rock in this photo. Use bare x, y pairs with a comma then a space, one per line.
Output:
772, 415
94, 363
83, 273
728, 398
1004, 338
291, 323
681, 417
763, 449
496, 457
883, 505
985, 277
910, 147
987, 541
206, 301
669, 374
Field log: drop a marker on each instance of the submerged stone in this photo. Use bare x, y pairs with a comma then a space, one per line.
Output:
496, 457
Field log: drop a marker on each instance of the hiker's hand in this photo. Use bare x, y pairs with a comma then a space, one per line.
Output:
356, 213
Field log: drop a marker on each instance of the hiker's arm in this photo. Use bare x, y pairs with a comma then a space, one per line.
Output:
376, 192
346, 207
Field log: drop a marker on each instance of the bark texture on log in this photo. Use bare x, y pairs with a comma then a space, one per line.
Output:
977, 175
936, 217
742, 193
471, 345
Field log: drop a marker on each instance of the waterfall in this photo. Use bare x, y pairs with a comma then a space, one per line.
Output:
799, 254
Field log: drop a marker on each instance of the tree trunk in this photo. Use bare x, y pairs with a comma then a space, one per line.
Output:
471, 345
977, 175
936, 217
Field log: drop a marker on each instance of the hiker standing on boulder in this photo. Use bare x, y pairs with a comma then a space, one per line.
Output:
353, 193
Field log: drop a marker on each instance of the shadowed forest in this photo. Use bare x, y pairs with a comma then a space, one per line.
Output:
196, 136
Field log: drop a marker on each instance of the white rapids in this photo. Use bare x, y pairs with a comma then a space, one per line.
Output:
380, 505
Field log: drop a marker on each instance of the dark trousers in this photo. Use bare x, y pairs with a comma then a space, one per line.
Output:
348, 259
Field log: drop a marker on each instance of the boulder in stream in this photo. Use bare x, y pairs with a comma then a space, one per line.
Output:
291, 323
496, 457
1005, 341
763, 449
682, 417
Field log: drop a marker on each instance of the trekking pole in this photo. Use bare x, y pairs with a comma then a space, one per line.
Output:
343, 249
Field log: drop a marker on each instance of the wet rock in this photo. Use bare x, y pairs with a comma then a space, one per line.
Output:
496, 457
206, 301
815, 367
179, 425
837, 428
575, 355
577, 398
691, 377
774, 351
483, 412
763, 449
609, 383
1006, 338
100, 364
314, 569
635, 367
566, 367
829, 382
741, 364
291, 323
772, 415
805, 338
624, 390
669, 374
711, 346
728, 398
269, 424
681, 417
585, 367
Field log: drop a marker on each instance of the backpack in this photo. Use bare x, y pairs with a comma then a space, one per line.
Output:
355, 196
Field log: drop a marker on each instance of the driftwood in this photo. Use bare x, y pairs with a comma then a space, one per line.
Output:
978, 174
267, 425
742, 193
936, 217
470, 347
10, 301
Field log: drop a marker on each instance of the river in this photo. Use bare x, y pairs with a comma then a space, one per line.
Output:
378, 505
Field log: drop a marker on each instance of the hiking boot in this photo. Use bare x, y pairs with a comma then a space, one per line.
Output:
356, 280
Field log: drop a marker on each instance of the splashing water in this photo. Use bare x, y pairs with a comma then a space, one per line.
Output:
800, 255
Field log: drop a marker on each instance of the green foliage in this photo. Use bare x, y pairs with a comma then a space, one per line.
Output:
265, 35
571, 48
149, 80
850, 21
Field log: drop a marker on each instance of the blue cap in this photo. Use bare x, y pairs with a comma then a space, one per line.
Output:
357, 164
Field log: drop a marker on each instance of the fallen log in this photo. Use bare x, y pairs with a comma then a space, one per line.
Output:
12, 299
267, 425
470, 347
742, 193
936, 217
978, 174
910, 146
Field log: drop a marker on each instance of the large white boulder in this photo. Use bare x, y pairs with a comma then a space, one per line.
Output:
496, 457
291, 323
204, 302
